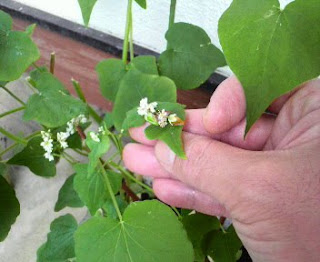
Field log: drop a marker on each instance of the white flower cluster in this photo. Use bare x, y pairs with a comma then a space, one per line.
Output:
95, 136
47, 143
155, 117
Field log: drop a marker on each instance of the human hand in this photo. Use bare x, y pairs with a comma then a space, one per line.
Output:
268, 184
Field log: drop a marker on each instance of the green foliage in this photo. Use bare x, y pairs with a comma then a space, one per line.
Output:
30, 30
139, 237
112, 71
111, 212
108, 120
197, 227
92, 189
86, 7
17, 50
9, 205
53, 106
133, 119
68, 197
32, 156
223, 246
142, 3
60, 242
171, 135
191, 57
3, 169
135, 86
271, 51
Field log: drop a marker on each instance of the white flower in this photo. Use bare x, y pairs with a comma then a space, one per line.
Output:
172, 119
47, 145
82, 119
70, 127
49, 156
163, 118
46, 135
94, 137
62, 137
101, 130
146, 108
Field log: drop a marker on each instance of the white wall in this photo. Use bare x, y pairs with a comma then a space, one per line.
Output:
149, 25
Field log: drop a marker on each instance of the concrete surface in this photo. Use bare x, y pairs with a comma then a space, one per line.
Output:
37, 195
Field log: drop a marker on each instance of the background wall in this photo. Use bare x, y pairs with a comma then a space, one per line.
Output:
149, 25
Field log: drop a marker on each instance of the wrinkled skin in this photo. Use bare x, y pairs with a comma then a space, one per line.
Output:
268, 184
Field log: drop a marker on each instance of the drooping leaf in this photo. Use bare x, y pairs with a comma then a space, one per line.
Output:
135, 86
9, 207
142, 3
112, 71
32, 156
133, 119
91, 188
53, 106
270, 50
223, 247
98, 149
110, 210
17, 50
60, 241
68, 197
108, 120
3, 169
86, 7
191, 58
139, 238
171, 135
197, 226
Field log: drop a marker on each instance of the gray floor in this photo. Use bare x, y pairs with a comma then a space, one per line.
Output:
37, 195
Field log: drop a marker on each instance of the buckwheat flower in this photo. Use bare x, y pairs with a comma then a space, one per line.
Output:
62, 137
101, 130
70, 127
47, 145
94, 137
173, 118
82, 119
49, 156
143, 108
163, 118
46, 135
152, 107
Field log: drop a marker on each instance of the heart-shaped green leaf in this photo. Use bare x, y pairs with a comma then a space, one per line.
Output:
223, 246
86, 7
32, 156
171, 135
68, 197
17, 50
140, 237
9, 207
270, 50
191, 58
135, 86
53, 106
60, 241
112, 71
91, 188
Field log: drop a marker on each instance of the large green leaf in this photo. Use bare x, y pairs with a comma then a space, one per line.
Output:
142, 3
135, 86
271, 50
60, 241
197, 226
223, 246
68, 197
9, 207
191, 57
110, 210
17, 50
53, 106
112, 71
32, 156
150, 231
171, 135
86, 7
92, 189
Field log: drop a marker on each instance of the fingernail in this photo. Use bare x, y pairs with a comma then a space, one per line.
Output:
165, 156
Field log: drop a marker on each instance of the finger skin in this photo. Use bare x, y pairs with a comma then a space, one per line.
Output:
141, 159
176, 194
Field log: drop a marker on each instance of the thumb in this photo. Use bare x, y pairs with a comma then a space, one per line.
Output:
212, 167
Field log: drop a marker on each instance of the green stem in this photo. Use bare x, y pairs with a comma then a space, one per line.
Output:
80, 93
127, 33
12, 111
131, 177
108, 184
35, 65
70, 157
13, 137
13, 95
79, 152
131, 38
172, 15
177, 212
